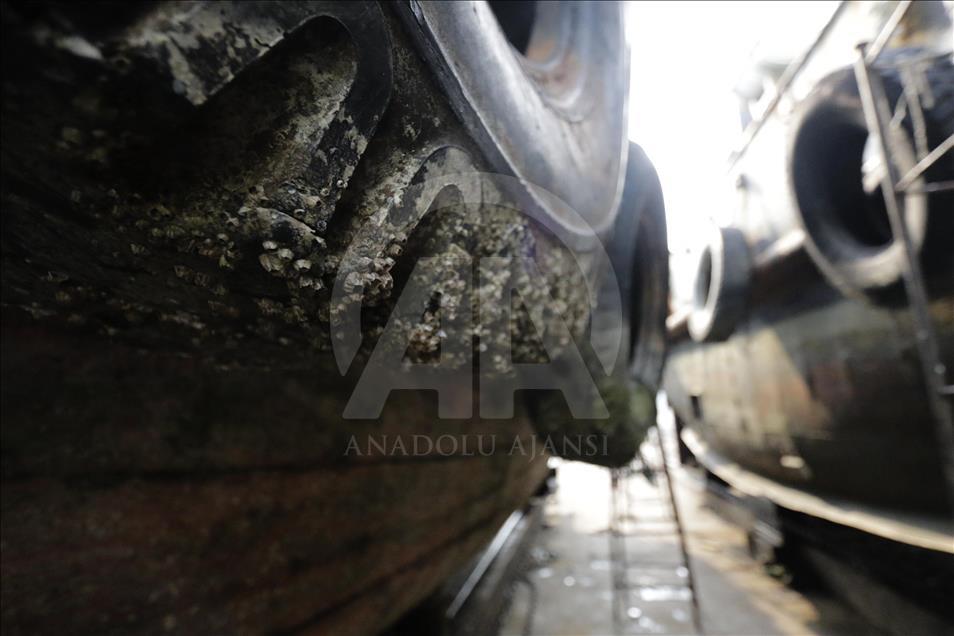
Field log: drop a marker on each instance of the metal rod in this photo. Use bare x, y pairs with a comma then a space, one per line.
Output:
683, 547
926, 163
617, 550
876, 110
484, 564
913, 96
791, 71
928, 188
881, 40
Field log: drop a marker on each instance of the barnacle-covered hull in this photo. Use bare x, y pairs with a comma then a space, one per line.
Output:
197, 199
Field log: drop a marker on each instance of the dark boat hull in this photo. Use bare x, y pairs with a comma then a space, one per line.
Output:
815, 378
821, 392
160, 492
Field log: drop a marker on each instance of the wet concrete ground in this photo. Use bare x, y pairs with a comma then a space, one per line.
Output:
588, 581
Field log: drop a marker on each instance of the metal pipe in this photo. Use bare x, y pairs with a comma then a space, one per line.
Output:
925, 163
937, 186
484, 563
683, 544
881, 40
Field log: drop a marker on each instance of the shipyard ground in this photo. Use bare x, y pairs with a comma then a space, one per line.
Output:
600, 552
579, 586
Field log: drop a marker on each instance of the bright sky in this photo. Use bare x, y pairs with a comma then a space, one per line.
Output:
686, 58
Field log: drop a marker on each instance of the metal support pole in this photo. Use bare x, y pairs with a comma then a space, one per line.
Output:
877, 114
683, 545
872, 51
926, 163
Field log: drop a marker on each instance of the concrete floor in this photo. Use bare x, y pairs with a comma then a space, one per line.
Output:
588, 581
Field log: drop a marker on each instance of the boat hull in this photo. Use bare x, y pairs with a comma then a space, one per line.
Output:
162, 493
822, 392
